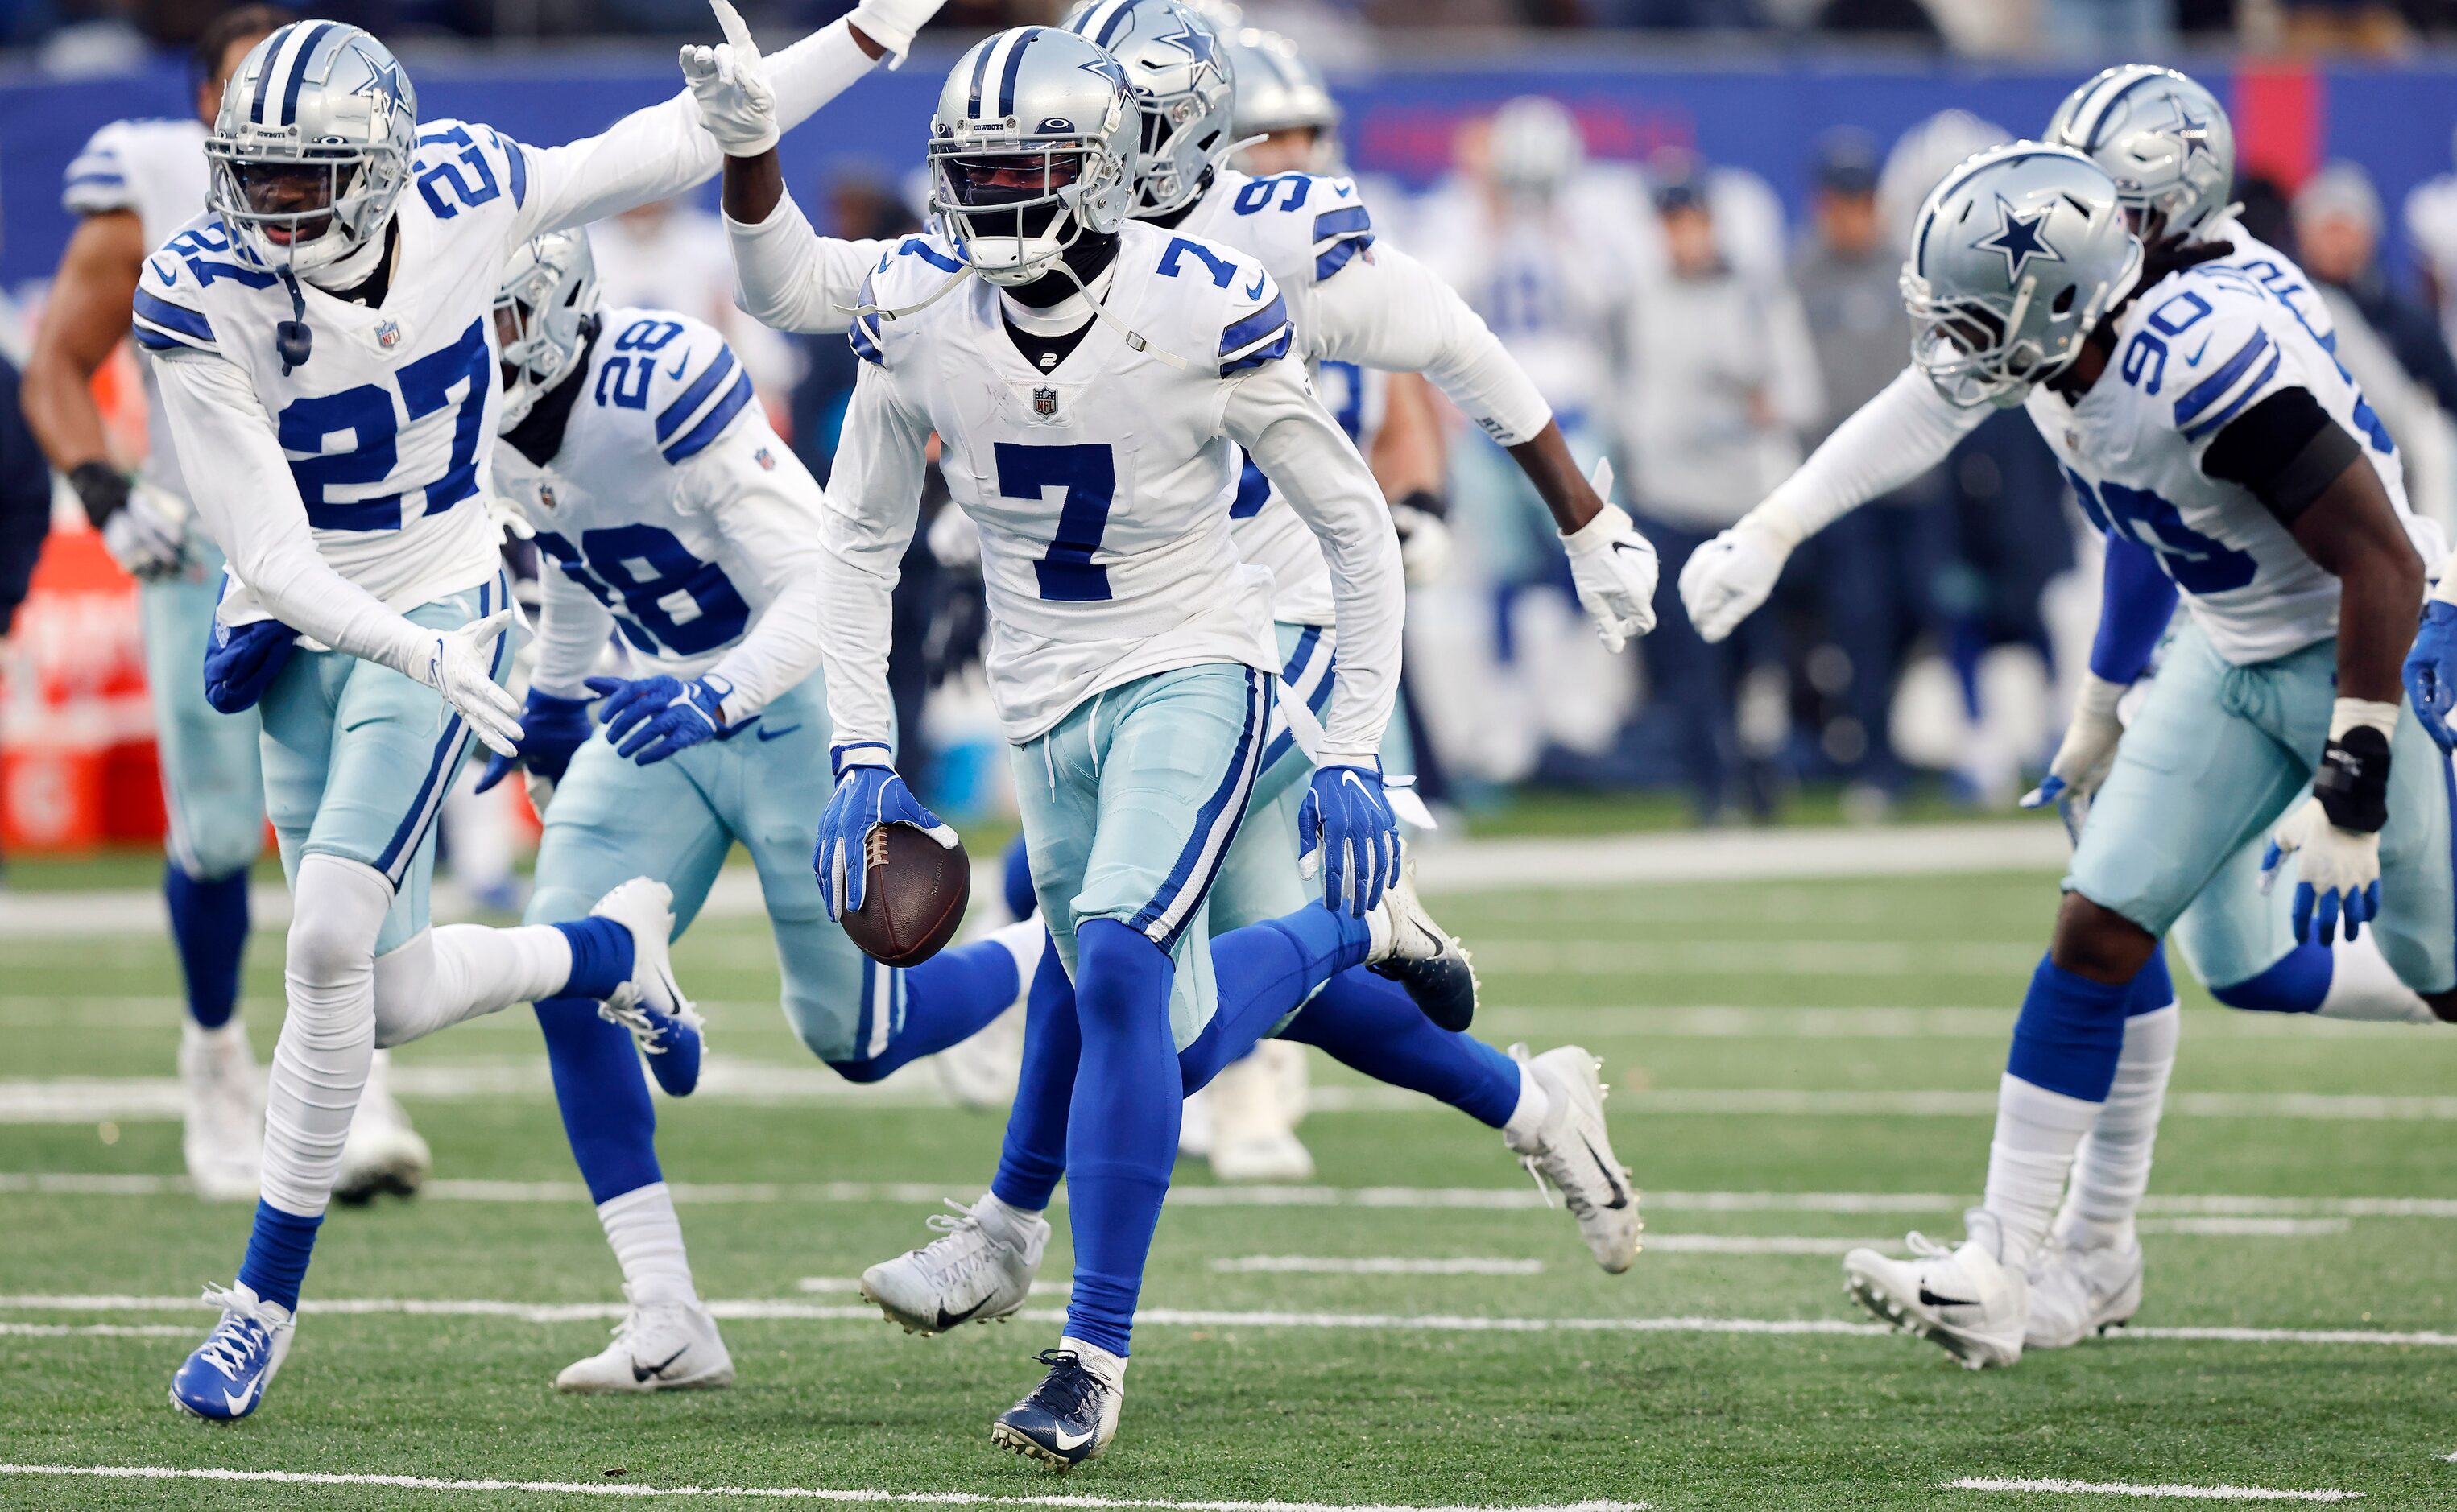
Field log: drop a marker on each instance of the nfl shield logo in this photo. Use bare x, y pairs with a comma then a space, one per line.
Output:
388, 335
546, 496
1044, 402
767, 463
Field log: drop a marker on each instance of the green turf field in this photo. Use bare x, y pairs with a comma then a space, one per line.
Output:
1760, 1037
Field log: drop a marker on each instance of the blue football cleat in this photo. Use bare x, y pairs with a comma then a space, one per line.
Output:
225, 1380
1073, 1414
674, 1045
650, 1004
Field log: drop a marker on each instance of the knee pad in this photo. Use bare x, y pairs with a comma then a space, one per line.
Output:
2295, 983
340, 914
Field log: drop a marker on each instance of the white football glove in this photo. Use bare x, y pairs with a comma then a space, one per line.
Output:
892, 23
511, 520
2337, 879
2089, 747
1424, 542
456, 667
1729, 577
1614, 569
955, 540
148, 535
731, 85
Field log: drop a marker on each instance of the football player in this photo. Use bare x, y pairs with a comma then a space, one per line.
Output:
134, 184
670, 511
2196, 412
323, 341
1089, 378
1370, 304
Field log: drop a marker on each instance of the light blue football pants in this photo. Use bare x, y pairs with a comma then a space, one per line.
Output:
212, 776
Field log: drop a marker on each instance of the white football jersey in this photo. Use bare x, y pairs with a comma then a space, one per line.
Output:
1102, 487
2192, 354
670, 501
155, 170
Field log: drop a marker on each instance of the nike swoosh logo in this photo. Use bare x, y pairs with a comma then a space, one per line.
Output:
640, 1372
1069, 1443
1256, 291
1346, 190
1929, 1298
676, 371
238, 1404
1630, 546
2195, 360
753, 722
1612, 1177
948, 1319
771, 732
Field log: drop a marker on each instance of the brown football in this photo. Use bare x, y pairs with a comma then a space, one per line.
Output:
913, 896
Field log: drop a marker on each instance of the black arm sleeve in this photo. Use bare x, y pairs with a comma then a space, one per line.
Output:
25, 500
2286, 449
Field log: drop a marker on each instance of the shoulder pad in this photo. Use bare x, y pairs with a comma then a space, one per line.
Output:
907, 274
1316, 222
678, 371
2213, 324
169, 309
97, 176
460, 165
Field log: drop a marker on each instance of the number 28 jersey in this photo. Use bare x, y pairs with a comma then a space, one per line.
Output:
2192, 354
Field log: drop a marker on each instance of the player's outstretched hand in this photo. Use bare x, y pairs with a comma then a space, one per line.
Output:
2088, 749
552, 729
1729, 577
2337, 875
652, 718
868, 794
1614, 569
2432, 666
1347, 834
731, 84
460, 666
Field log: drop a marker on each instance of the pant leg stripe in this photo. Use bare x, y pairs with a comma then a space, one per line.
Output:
1165, 917
394, 862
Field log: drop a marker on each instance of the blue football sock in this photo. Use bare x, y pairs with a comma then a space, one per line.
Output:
208, 925
278, 1248
606, 1113
1121, 1126
1261, 973
1034, 1157
2295, 983
1368, 1023
948, 999
2152, 989
1022, 901
2070, 1034
601, 957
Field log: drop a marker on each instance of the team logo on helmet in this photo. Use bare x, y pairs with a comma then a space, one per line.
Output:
1045, 403
2021, 238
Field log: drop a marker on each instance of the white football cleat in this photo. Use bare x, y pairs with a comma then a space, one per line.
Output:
658, 1346
1572, 1152
1960, 1297
979, 1268
224, 1136
382, 1152
1253, 1137
646, 908
2078, 1291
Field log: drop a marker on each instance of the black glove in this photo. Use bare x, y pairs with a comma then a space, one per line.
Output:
102, 488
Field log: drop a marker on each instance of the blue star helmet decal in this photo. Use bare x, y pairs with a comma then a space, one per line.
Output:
1194, 41
2192, 132
2020, 238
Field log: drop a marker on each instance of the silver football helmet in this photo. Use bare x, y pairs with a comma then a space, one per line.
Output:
1179, 71
544, 310
2014, 259
1032, 145
1535, 146
310, 150
2163, 138
1278, 90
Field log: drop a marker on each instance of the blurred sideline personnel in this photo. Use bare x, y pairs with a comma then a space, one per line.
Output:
2173, 152
632, 439
319, 289
1130, 654
1364, 302
136, 182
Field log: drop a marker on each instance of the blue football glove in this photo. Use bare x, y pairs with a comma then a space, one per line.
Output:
868, 794
2431, 671
652, 718
242, 659
552, 729
1346, 833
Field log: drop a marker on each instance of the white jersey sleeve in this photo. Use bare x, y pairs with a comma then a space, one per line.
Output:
1387, 310
769, 508
873, 498
571, 632
1908, 428
102, 178
789, 277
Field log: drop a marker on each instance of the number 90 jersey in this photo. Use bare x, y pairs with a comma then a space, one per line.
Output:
670, 501
2192, 354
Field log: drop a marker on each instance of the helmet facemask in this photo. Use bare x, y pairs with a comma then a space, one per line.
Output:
1014, 211
303, 206
544, 314
1183, 135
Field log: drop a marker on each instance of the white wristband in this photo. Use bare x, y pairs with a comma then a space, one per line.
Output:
2352, 713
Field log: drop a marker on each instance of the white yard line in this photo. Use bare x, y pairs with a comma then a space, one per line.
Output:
1752, 958
2187, 1493
95, 1331
1376, 1265
787, 1492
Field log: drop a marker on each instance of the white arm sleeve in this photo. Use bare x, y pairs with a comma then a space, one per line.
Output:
1387, 310
772, 518
873, 499
250, 506
788, 275
573, 627
657, 152
1902, 433
1273, 413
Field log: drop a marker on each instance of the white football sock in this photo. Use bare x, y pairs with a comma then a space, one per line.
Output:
2037, 1133
2112, 1169
462, 971
1015, 1220
1111, 1368
319, 1065
1528, 1117
2361, 985
1024, 940
648, 1241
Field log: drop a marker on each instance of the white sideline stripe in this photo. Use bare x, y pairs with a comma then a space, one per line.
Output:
852, 1283
2188, 1493
96, 1331
773, 1309
2160, 1208
779, 1493
1378, 1265
1824, 959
